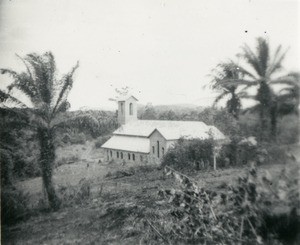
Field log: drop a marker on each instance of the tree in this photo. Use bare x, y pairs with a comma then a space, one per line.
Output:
228, 71
289, 96
149, 113
264, 67
168, 115
48, 102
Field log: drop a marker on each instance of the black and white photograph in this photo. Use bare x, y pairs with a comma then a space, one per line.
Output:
150, 122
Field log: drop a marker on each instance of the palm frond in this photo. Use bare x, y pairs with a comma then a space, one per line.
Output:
263, 55
27, 67
251, 59
66, 85
292, 79
236, 82
219, 97
245, 95
43, 67
276, 64
7, 98
63, 107
252, 109
245, 72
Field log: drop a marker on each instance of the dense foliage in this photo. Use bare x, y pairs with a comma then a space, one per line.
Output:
190, 154
242, 213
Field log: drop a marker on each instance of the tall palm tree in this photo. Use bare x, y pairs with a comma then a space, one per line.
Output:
227, 71
44, 113
264, 67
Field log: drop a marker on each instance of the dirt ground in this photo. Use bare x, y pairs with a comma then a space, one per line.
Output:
111, 213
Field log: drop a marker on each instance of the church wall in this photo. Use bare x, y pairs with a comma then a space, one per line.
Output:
124, 112
158, 147
120, 156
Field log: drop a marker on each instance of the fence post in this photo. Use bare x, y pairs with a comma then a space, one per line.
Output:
215, 161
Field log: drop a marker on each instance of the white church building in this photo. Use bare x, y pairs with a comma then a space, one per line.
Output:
146, 141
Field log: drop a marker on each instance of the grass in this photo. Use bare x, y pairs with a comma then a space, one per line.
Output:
112, 212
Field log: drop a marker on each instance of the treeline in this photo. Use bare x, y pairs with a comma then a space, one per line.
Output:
248, 123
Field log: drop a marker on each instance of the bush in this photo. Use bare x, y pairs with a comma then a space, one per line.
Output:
79, 194
189, 154
242, 213
14, 206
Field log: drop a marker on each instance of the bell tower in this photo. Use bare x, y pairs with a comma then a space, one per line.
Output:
127, 109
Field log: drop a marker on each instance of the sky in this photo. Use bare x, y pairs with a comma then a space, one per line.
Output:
164, 50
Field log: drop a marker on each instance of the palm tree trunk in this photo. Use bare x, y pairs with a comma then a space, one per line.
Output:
47, 157
264, 123
273, 116
264, 98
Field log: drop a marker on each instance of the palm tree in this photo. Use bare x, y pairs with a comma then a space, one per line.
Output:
44, 112
289, 96
225, 72
264, 68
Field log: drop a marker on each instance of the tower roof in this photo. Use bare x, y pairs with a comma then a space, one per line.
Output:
125, 97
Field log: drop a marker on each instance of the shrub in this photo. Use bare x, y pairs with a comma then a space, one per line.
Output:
79, 194
189, 153
241, 213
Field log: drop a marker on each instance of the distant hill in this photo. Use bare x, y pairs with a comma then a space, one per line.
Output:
177, 108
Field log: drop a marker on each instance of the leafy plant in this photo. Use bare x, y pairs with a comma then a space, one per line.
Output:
239, 214
187, 154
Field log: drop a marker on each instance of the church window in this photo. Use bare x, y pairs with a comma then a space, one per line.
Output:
133, 157
153, 149
158, 149
121, 155
128, 156
111, 153
130, 109
141, 158
117, 154
122, 108
163, 151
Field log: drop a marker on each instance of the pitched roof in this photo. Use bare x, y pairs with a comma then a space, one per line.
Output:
128, 143
125, 97
171, 130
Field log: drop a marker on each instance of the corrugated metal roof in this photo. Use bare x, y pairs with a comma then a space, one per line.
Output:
128, 143
171, 130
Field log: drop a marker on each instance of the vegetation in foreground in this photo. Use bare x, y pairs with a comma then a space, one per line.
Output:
150, 205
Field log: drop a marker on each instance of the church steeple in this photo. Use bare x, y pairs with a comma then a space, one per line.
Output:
127, 109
